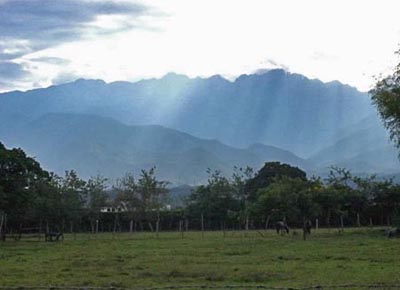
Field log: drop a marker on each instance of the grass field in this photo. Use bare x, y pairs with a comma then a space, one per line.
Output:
141, 259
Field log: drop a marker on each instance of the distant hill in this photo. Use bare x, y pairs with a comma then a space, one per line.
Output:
93, 144
278, 108
186, 125
364, 147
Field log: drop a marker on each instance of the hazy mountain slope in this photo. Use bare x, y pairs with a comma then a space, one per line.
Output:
92, 144
271, 153
278, 108
364, 147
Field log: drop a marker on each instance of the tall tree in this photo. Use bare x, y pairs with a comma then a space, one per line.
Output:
270, 173
96, 198
152, 194
22, 181
127, 194
386, 97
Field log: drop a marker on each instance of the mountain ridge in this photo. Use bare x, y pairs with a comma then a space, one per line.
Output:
320, 122
90, 144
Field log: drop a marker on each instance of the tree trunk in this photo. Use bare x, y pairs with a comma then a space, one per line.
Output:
341, 222
316, 224
358, 220
97, 226
20, 231
158, 224
370, 222
1, 227
202, 225
304, 229
40, 229
131, 226
267, 222
150, 226
247, 222
181, 228
115, 223
328, 219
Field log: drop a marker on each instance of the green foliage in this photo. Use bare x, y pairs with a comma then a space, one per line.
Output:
270, 173
144, 196
96, 196
288, 198
21, 178
386, 97
218, 199
30, 195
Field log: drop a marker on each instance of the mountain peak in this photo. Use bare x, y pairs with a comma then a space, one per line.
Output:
172, 76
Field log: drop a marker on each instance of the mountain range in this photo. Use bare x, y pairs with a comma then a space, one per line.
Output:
184, 126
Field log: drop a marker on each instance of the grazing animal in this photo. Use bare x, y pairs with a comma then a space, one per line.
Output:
307, 227
394, 233
53, 236
281, 227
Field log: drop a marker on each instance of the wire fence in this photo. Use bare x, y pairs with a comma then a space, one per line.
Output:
379, 286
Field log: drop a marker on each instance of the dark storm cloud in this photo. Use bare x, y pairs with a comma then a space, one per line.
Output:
27, 26
12, 71
49, 22
51, 60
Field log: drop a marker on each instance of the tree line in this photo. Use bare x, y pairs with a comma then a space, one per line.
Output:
33, 199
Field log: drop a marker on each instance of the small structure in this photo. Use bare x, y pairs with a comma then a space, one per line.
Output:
114, 209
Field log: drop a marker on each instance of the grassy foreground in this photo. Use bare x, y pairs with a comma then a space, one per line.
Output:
140, 259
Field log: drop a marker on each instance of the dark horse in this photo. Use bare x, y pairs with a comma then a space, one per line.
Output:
53, 236
281, 227
307, 225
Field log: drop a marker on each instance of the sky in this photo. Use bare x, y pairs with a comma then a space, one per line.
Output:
48, 42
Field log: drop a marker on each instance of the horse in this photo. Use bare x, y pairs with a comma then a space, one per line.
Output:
281, 227
307, 226
53, 236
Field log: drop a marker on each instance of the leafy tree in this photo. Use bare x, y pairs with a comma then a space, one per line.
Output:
288, 198
96, 198
271, 172
152, 195
340, 182
386, 97
19, 179
387, 198
73, 197
239, 179
216, 200
127, 194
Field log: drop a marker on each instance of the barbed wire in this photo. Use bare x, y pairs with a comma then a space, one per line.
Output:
183, 287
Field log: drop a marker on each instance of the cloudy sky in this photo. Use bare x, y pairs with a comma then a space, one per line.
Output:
45, 42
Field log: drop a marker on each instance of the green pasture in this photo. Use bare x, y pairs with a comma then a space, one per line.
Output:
327, 257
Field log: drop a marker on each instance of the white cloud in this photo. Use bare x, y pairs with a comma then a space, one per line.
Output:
349, 41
